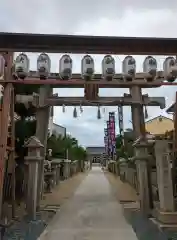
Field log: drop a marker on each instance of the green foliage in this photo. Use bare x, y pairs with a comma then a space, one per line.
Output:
24, 129
62, 145
59, 145
23, 111
120, 150
125, 151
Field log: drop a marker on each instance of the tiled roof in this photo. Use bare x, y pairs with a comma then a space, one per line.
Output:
160, 116
171, 109
95, 150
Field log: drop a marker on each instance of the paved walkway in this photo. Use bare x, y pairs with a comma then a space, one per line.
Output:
91, 214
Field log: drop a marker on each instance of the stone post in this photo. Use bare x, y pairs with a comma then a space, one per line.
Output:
142, 158
164, 176
58, 174
82, 164
56, 163
141, 155
77, 166
67, 168
33, 159
54, 171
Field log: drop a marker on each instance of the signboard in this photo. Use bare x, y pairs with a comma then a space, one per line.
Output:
120, 120
106, 140
109, 138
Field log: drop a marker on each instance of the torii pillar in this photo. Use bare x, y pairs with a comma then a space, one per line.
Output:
42, 123
141, 154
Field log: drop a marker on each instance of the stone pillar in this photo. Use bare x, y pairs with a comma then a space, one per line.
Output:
142, 158
74, 167
82, 164
137, 112
164, 175
66, 168
141, 149
54, 171
33, 159
58, 174
118, 168
56, 165
42, 123
69, 169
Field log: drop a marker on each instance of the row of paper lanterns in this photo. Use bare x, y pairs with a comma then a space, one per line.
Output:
22, 67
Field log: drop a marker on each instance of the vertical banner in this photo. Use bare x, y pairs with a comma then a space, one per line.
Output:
120, 120
109, 138
106, 154
112, 132
106, 140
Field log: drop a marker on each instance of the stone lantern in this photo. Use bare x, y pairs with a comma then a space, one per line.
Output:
33, 158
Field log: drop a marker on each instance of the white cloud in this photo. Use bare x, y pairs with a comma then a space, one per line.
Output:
114, 17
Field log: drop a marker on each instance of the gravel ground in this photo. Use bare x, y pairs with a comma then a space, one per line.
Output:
31, 230
122, 190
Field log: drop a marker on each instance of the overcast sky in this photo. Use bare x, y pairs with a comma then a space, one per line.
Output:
95, 17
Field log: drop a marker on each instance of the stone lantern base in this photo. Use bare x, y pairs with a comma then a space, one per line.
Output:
165, 217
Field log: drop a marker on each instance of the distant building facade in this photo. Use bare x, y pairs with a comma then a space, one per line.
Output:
55, 128
159, 125
95, 153
58, 130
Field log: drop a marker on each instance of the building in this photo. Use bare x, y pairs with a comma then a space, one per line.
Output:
159, 125
58, 130
95, 153
50, 126
54, 128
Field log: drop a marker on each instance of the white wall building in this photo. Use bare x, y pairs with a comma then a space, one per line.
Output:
58, 130
50, 127
55, 128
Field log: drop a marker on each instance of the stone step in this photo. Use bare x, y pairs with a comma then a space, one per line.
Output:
162, 226
53, 208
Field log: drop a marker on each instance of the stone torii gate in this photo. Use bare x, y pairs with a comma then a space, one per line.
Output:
15, 42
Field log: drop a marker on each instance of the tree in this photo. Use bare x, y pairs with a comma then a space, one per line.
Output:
120, 151
128, 142
23, 130
23, 127
78, 153
60, 145
125, 150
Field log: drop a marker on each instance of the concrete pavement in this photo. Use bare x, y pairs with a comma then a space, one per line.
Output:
93, 213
